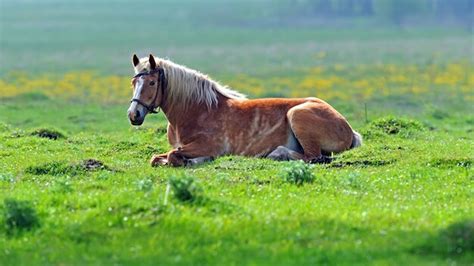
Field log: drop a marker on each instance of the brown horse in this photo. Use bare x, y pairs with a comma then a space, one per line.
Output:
207, 119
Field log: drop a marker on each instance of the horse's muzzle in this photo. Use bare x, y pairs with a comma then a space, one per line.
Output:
136, 118
136, 122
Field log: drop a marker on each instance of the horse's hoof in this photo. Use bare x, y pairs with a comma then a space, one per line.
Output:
176, 159
158, 161
280, 154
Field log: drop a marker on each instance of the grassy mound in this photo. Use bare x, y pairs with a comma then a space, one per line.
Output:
368, 155
58, 168
48, 133
186, 188
394, 126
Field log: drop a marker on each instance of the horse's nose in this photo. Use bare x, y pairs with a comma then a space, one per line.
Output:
133, 115
136, 117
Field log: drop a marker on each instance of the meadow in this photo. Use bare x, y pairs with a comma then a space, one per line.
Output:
76, 186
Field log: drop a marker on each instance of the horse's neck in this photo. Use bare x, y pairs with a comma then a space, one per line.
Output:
179, 115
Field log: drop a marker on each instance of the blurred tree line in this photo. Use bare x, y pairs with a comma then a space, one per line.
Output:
395, 11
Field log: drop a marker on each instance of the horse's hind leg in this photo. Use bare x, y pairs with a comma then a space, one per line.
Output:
198, 160
319, 127
282, 153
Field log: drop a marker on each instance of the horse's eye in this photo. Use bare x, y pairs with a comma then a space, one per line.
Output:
152, 83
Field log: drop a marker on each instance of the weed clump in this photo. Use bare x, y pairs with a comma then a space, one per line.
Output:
297, 172
185, 188
48, 133
19, 216
393, 126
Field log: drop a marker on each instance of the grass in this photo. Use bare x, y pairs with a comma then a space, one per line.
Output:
389, 201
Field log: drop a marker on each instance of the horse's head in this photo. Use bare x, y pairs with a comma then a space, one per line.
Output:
148, 85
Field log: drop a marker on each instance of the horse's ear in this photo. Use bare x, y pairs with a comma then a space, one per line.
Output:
135, 60
151, 59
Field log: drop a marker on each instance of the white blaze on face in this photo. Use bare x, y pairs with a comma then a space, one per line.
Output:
136, 95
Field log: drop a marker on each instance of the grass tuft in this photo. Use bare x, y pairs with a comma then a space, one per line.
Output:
186, 188
19, 215
297, 172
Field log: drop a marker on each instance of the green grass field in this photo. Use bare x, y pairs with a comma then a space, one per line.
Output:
90, 196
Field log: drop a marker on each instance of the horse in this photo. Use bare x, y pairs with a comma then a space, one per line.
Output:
207, 119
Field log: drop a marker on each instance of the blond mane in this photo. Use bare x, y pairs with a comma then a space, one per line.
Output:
186, 85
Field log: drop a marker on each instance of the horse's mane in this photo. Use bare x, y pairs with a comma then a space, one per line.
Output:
186, 85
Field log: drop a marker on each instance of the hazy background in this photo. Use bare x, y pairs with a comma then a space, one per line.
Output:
228, 36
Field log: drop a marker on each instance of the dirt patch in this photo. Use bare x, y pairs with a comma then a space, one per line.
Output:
93, 165
48, 133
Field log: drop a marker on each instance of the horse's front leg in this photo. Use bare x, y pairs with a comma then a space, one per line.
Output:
179, 157
159, 159
172, 157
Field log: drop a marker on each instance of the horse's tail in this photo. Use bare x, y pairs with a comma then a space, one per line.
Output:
356, 140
